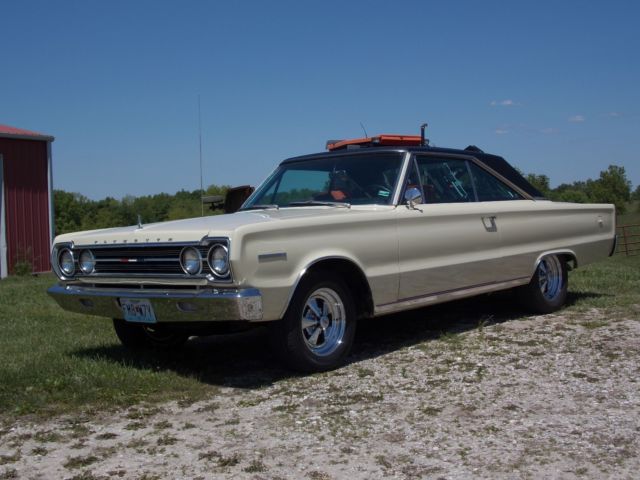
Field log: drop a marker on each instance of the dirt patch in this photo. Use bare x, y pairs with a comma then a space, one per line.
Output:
533, 397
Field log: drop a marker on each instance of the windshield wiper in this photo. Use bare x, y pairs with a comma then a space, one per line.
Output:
260, 207
319, 202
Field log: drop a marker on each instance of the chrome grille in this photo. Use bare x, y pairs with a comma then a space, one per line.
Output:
146, 260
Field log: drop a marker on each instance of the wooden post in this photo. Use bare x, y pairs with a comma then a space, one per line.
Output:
626, 240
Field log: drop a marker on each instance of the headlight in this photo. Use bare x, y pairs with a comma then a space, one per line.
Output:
87, 262
191, 261
219, 260
66, 263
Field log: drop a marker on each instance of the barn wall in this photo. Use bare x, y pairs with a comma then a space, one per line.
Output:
26, 202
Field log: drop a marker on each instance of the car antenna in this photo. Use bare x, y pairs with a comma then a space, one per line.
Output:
200, 150
424, 142
364, 130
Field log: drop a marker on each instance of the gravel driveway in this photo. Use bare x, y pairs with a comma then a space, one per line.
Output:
459, 395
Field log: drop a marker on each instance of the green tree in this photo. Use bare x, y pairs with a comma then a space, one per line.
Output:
541, 182
613, 186
69, 209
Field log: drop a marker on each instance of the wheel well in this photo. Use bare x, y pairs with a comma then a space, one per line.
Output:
570, 260
354, 279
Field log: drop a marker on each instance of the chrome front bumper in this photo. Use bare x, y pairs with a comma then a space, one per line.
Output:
205, 305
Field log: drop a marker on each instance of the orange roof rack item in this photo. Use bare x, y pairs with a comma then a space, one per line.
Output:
386, 139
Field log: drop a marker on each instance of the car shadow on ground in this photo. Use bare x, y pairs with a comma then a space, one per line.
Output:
243, 360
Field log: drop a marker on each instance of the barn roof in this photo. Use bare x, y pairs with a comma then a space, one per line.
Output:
7, 131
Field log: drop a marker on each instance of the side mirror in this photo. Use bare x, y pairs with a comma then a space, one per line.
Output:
413, 197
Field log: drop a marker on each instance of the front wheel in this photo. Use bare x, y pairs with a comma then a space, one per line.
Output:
317, 331
136, 336
547, 290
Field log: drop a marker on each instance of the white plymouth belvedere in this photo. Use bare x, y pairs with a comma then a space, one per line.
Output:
370, 227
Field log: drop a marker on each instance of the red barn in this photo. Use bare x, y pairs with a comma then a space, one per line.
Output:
26, 202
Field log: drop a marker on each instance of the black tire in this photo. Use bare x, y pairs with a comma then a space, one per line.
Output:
136, 336
294, 344
547, 290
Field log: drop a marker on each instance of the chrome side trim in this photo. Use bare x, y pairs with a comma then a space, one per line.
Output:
272, 257
440, 297
206, 305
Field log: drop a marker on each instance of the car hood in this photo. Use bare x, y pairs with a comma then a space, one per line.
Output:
194, 229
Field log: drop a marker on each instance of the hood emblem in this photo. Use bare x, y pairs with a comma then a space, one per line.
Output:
139, 221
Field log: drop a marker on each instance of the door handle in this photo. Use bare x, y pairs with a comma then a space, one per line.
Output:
490, 223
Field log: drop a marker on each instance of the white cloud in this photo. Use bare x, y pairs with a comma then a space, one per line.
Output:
548, 131
577, 119
501, 131
504, 103
614, 114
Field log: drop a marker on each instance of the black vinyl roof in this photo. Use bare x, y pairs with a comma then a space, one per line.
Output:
494, 162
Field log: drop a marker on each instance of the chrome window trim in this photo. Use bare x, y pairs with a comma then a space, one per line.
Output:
394, 202
402, 176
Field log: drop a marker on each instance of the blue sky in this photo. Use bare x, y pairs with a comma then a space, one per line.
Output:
552, 86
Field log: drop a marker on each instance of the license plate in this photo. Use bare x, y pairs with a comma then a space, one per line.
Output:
139, 311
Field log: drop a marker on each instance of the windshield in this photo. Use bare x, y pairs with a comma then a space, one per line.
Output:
333, 180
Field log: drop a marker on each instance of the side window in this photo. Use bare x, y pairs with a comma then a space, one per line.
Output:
489, 188
445, 180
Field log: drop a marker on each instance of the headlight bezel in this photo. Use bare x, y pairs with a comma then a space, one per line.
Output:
62, 252
227, 270
199, 260
92, 260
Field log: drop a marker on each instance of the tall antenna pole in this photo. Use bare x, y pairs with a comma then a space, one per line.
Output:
200, 148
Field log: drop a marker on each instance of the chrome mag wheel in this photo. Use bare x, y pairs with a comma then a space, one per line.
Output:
550, 277
323, 321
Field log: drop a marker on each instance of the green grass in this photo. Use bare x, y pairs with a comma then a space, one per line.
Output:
52, 361
613, 284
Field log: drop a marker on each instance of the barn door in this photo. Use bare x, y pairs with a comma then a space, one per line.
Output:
3, 235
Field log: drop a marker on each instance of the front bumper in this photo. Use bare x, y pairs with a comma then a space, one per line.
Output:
205, 305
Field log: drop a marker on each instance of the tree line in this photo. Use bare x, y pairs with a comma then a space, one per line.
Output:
612, 186
74, 211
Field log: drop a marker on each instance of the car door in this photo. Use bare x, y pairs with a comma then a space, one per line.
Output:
451, 241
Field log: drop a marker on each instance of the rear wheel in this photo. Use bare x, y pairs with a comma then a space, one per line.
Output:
547, 290
317, 331
135, 336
